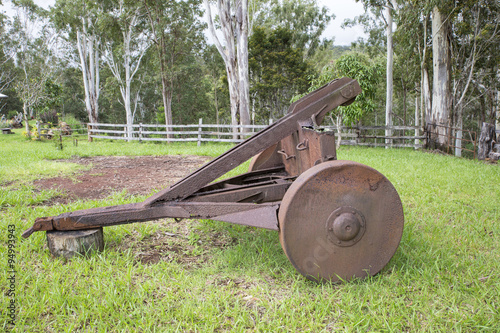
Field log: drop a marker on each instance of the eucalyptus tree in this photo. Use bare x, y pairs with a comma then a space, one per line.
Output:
11, 104
305, 18
278, 72
383, 11
234, 28
465, 46
177, 34
79, 22
460, 40
124, 28
413, 48
31, 46
215, 71
475, 61
6, 63
441, 73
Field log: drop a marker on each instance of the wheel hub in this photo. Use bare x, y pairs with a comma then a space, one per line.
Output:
345, 226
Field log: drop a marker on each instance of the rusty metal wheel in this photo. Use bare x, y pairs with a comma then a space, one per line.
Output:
339, 220
269, 158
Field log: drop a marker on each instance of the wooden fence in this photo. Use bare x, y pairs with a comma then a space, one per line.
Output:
374, 136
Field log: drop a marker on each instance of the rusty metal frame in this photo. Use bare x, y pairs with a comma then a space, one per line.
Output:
251, 199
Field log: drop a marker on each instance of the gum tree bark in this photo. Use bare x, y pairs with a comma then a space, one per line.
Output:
242, 48
88, 51
234, 26
441, 91
227, 52
389, 83
133, 47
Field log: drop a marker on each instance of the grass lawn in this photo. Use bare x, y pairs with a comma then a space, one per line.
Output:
214, 276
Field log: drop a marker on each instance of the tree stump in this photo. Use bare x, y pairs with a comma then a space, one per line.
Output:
494, 156
71, 243
485, 141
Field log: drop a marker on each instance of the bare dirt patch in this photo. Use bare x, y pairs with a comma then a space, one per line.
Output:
139, 175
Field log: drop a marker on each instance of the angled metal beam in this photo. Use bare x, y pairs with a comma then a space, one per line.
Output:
311, 109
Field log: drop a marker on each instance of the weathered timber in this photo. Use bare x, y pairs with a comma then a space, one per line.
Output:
68, 244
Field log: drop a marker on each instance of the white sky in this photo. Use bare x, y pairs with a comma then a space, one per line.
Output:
341, 8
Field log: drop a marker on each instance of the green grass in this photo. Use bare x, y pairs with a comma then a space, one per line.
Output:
213, 276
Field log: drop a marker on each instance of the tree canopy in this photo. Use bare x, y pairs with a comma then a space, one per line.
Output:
128, 61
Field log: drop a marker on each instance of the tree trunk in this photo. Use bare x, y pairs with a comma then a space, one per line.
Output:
26, 125
168, 112
459, 133
128, 81
88, 51
234, 98
441, 92
165, 87
238, 91
68, 244
242, 49
417, 115
216, 102
498, 111
426, 95
485, 140
389, 83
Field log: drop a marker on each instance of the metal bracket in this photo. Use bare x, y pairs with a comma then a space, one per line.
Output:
287, 157
303, 145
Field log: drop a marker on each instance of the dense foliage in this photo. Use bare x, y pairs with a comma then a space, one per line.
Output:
278, 71
153, 60
149, 59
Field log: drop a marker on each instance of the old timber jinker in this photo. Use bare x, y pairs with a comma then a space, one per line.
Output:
336, 219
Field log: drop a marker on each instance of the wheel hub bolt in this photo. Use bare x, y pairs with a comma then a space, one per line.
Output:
346, 227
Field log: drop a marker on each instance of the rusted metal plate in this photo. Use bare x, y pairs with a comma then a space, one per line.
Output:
339, 220
269, 158
263, 216
270, 192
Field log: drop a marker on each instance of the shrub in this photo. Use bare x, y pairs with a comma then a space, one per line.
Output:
71, 120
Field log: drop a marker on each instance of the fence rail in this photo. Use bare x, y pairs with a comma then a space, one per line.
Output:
374, 136
455, 136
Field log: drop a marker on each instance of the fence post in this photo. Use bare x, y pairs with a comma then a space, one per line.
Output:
38, 125
200, 123
417, 131
458, 140
140, 132
89, 132
388, 135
